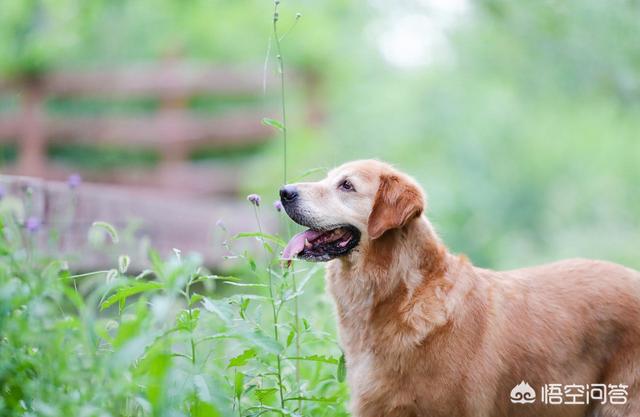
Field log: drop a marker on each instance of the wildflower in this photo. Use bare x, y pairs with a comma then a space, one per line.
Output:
2, 192
254, 199
277, 205
74, 181
33, 224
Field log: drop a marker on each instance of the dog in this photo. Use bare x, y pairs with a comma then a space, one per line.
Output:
427, 334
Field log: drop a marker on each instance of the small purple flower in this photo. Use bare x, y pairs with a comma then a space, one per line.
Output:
74, 181
254, 199
277, 205
33, 224
3, 192
220, 225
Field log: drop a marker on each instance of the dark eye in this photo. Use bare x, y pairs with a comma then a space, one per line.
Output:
346, 185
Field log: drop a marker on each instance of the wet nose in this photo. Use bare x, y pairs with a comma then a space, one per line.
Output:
288, 193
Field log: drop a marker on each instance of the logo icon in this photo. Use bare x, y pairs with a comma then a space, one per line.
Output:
523, 394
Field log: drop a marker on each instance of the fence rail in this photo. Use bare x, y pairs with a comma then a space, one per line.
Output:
166, 80
143, 217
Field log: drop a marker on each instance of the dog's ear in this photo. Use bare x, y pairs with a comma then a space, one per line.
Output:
397, 201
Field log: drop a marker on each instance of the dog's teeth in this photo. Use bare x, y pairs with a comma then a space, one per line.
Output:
307, 244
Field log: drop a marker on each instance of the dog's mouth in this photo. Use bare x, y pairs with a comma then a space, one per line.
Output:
319, 246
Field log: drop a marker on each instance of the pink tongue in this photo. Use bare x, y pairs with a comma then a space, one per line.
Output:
296, 244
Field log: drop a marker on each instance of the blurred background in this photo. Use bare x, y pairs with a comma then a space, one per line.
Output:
521, 119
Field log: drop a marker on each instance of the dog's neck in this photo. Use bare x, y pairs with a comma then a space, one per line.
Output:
408, 257
403, 274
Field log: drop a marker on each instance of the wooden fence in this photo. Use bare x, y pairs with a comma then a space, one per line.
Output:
174, 131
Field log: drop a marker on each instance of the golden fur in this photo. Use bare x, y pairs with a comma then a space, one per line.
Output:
427, 334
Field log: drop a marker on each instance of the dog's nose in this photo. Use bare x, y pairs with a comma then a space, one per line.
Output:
288, 193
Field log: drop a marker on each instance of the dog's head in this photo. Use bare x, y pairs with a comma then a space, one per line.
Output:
357, 202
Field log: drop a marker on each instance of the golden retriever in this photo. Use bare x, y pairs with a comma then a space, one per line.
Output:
427, 334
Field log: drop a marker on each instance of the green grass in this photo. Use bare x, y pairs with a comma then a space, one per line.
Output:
163, 342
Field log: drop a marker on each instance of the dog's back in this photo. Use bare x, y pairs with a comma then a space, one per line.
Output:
574, 323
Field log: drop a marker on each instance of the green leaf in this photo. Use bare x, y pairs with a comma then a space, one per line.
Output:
111, 231
195, 298
187, 320
245, 284
238, 384
265, 236
225, 278
342, 369
317, 358
204, 409
156, 263
268, 247
221, 308
292, 334
273, 123
265, 395
260, 340
123, 293
202, 390
74, 297
244, 305
242, 358
313, 399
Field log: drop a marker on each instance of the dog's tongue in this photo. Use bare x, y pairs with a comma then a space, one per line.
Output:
296, 244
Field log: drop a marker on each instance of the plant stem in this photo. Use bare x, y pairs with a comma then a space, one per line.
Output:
238, 399
190, 311
280, 58
273, 307
276, 38
296, 312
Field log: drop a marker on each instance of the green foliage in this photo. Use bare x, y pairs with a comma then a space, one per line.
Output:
36, 35
108, 343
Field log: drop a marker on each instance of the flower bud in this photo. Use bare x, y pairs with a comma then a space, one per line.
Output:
74, 181
254, 199
33, 224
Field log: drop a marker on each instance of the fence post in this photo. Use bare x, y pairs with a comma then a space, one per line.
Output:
32, 146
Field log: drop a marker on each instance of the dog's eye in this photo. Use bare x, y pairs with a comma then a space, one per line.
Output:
346, 185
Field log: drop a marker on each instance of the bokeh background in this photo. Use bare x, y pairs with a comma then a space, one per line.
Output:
521, 119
